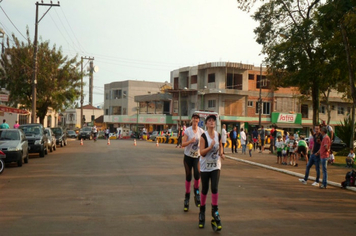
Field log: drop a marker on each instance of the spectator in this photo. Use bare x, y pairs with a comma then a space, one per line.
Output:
331, 158
350, 159
255, 138
4, 125
290, 144
243, 140
329, 130
180, 135
223, 138
262, 138
16, 125
324, 155
233, 137
279, 146
250, 146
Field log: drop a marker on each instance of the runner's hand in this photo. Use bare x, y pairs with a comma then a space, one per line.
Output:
192, 140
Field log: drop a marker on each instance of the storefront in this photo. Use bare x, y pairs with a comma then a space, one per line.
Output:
291, 122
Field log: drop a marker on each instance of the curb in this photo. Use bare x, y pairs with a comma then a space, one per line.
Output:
286, 172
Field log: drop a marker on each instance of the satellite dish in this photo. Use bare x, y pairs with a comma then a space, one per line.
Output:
96, 68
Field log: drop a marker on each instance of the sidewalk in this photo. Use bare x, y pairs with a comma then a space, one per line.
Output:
336, 174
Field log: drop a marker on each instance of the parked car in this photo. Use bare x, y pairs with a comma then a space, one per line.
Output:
14, 145
2, 161
36, 137
72, 134
51, 139
85, 133
154, 135
61, 136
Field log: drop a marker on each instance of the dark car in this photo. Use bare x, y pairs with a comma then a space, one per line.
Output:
51, 139
71, 134
338, 144
153, 135
14, 144
61, 136
85, 133
36, 137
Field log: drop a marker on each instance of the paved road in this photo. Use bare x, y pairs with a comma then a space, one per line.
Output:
96, 189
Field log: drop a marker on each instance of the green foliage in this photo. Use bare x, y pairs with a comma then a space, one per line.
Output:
58, 80
344, 131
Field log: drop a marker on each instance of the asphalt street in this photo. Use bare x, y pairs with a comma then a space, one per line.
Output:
122, 189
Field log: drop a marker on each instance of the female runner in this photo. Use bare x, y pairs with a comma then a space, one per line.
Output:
190, 143
211, 152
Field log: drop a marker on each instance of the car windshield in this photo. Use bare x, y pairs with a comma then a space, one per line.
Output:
86, 129
31, 130
71, 132
57, 130
9, 135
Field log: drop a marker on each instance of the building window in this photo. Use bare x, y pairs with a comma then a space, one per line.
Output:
234, 81
211, 78
349, 110
340, 110
49, 121
332, 107
106, 96
124, 112
211, 103
175, 83
322, 109
106, 111
266, 108
251, 77
116, 110
304, 110
116, 94
92, 117
264, 82
124, 94
250, 103
193, 79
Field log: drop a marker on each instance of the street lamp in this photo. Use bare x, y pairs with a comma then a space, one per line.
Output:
81, 88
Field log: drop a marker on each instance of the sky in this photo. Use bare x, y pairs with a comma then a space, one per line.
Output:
138, 39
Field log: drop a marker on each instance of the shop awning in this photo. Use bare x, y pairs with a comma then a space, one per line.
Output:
13, 110
289, 125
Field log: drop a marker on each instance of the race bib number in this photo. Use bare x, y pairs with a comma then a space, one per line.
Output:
193, 154
211, 164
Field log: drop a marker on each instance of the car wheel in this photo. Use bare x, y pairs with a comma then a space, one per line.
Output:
55, 147
65, 142
46, 150
62, 143
42, 152
19, 162
26, 158
2, 166
51, 148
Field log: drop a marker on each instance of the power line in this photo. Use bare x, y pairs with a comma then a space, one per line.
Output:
12, 23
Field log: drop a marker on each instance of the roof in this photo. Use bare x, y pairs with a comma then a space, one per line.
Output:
100, 119
90, 107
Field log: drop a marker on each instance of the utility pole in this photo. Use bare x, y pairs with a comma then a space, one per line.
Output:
81, 86
34, 75
260, 99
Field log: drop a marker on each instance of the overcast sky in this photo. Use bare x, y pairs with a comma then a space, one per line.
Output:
139, 39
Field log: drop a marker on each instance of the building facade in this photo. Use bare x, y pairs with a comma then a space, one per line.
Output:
71, 117
123, 106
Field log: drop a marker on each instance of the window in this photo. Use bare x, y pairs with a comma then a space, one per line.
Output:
124, 112
116, 110
124, 94
211, 103
92, 117
193, 79
116, 94
234, 81
266, 108
332, 107
251, 77
340, 110
322, 109
211, 78
264, 83
106, 96
304, 110
349, 110
250, 103
106, 111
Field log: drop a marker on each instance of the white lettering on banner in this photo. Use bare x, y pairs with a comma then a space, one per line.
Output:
286, 118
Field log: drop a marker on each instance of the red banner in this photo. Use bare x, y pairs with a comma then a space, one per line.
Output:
13, 110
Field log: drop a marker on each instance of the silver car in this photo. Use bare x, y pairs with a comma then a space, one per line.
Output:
14, 144
51, 139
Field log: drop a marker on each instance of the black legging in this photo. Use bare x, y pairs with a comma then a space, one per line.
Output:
214, 176
189, 164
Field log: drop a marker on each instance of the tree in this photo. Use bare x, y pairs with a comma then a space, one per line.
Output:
287, 31
337, 19
58, 80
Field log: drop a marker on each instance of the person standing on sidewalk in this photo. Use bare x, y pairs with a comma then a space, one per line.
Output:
314, 158
255, 138
210, 165
324, 155
233, 137
279, 146
262, 138
243, 140
250, 146
223, 137
191, 142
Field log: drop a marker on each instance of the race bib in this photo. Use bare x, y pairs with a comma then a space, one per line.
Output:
211, 164
193, 154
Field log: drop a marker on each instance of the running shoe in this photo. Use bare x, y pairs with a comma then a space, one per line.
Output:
303, 181
316, 184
